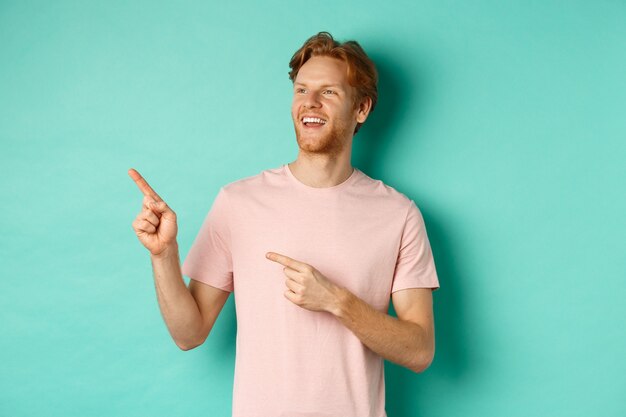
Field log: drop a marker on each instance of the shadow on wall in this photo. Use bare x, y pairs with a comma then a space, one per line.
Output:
402, 94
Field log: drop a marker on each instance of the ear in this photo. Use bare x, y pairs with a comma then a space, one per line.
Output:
363, 109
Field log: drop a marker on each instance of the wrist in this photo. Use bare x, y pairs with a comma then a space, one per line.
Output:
341, 297
169, 251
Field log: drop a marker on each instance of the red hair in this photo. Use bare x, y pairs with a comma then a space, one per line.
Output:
361, 72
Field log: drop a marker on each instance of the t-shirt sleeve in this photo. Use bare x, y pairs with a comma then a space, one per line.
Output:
209, 259
415, 266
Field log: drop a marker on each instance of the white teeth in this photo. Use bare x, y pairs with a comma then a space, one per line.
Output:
313, 120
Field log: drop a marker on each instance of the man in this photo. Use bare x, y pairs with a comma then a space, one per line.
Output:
313, 251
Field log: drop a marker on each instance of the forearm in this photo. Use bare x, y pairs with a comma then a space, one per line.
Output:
178, 307
399, 341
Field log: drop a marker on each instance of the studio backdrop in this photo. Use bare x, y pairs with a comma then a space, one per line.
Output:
503, 121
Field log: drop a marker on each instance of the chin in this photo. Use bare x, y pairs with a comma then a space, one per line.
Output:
323, 144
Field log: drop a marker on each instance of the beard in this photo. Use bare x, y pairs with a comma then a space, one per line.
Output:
331, 139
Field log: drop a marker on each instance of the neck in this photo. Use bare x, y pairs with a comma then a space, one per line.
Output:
320, 171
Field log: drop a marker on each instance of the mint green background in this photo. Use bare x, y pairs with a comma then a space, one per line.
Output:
504, 121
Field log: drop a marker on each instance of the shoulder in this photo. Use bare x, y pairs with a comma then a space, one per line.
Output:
378, 192
254, 184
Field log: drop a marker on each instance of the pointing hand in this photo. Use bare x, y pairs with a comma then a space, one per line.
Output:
307, 287
155, 225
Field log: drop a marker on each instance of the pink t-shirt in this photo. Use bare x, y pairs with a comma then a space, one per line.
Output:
361, 234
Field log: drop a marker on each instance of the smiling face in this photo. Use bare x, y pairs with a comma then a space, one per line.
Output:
323, 110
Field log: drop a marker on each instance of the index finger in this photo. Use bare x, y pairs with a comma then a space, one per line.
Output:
285, 260
143, 185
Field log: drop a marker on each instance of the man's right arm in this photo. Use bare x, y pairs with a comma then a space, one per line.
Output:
189, 313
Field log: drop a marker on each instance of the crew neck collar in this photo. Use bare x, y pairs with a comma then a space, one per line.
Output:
345, 183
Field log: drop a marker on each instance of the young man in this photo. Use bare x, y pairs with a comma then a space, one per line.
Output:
313, 251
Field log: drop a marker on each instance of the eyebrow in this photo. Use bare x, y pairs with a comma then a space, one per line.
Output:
324, 85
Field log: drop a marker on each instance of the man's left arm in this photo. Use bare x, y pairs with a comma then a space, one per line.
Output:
408, 340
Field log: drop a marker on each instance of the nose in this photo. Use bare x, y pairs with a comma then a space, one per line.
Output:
312, 100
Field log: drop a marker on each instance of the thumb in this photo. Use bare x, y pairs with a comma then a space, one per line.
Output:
160, 207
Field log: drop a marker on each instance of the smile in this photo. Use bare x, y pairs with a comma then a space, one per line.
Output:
313, 122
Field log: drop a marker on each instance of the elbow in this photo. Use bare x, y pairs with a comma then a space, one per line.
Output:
423, 361
192, 343
188, 346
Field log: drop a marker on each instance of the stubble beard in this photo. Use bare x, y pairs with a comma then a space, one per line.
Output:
330, 143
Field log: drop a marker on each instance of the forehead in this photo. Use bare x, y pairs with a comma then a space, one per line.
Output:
323, 70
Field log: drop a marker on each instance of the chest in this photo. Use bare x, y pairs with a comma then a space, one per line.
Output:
353, 244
